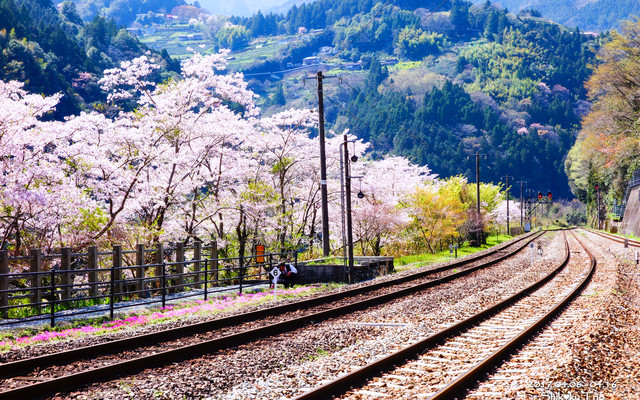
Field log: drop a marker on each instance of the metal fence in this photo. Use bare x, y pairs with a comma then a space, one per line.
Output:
48, 286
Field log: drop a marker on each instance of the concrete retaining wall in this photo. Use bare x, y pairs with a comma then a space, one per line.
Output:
365, 268
631, 219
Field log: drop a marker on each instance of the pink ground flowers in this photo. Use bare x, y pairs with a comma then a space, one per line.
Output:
216, 305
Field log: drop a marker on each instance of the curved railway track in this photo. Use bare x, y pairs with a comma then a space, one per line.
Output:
37, 386
448, 363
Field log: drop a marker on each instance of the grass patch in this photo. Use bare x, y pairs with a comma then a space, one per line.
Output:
419, 260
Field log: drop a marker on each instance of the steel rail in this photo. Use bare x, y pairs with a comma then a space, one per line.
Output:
469, 380
364, 374
69, 382
615, 238
16, 368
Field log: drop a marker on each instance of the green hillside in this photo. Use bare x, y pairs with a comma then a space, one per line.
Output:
594, 15
429, 80
55, 51
458, 81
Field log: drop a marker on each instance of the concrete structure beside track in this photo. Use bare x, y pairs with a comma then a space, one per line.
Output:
631, 219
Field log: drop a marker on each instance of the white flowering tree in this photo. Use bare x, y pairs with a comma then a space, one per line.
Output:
191, 157
163, 165
40, 203
378, 217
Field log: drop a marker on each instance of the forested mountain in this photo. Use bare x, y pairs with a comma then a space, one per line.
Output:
54, 51
468, 79
607, 153
589, 15
123, 12
436, 86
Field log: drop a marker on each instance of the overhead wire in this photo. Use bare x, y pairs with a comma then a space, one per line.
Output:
359, 93
346, 46
367, 24
337, 104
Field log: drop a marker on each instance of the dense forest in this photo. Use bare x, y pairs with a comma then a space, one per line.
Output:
607, 151
599, 15
516, 95
55, 51
503, 85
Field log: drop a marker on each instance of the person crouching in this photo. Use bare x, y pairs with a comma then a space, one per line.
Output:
289, 274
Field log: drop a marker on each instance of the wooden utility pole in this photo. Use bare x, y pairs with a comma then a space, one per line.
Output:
508, 231
521, 203
347, 177
323, 172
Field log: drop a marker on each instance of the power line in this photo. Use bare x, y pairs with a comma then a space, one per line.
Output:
363, 97
367, 24
336, 104
421, 21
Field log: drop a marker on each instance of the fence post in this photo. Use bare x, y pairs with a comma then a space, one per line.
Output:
206, 278
52, 304
197, 255
241, 278
213, 254
112, 282
36, 279
159, 262
180, 265
92, 262
140, 260
117, 271
4, 283
164, 285
65, 268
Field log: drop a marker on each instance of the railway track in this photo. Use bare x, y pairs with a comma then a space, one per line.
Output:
615, 238
35, 384
447, 364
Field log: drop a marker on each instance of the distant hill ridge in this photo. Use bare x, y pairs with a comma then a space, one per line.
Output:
53, 50
588, 15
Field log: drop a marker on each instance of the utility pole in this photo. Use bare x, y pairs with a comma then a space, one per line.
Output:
508, 231
598, 203
323, 172
479, 231
521, 207
347, 184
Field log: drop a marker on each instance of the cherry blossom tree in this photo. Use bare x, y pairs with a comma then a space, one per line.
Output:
172, 157
189, 157
378, 216
39, 202
499, 214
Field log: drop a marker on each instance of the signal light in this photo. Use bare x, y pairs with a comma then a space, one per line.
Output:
539, 195
597, 187
549, 195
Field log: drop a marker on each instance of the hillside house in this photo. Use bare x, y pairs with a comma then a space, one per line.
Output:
311, 60
353, 66
327, 50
